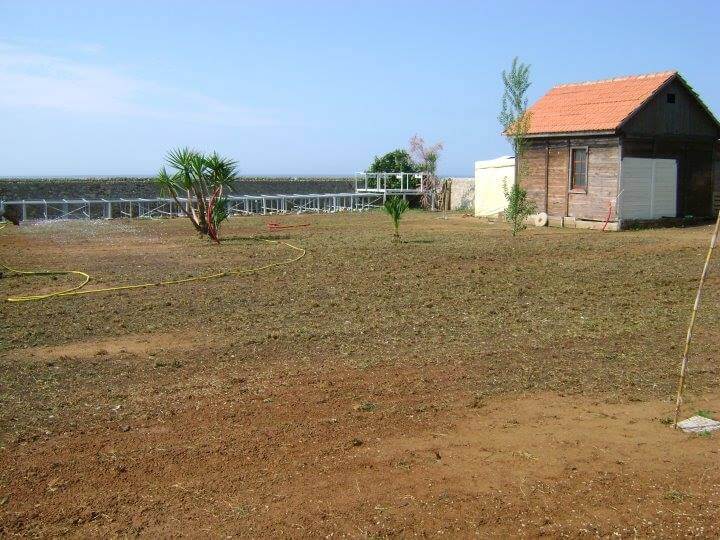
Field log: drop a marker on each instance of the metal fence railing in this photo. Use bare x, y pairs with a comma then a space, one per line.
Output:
47, 209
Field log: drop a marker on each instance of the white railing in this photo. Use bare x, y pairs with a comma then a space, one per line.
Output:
391, 183
46, 209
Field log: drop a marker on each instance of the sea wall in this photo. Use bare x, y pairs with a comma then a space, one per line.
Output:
17, 189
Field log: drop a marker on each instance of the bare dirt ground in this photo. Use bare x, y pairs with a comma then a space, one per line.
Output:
460, 383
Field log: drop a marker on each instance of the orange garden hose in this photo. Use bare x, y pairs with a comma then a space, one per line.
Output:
277, 226
607, 219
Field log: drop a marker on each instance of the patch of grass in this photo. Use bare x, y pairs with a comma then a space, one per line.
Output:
242, 511
366, 407
367, 362
478, 402
675, 496
705, 414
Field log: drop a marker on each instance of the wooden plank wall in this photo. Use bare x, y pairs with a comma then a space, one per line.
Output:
533, 174
551, 157
685, 117
716, 178
603, 176
558, 155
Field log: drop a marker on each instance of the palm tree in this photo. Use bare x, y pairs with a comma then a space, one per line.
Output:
202, 178
395, 207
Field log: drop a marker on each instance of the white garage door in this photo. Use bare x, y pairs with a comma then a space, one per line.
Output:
649, 188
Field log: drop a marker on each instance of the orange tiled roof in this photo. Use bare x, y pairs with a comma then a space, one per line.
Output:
595, 105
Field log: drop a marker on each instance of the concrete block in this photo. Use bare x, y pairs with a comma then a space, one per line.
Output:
555, 221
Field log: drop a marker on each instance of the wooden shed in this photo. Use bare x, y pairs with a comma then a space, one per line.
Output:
622, 150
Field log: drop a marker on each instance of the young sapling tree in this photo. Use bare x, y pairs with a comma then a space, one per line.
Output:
515, 120
519, 207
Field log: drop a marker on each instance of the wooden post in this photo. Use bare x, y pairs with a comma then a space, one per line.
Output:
688, 339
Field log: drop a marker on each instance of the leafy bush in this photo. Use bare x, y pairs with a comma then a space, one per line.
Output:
397, 161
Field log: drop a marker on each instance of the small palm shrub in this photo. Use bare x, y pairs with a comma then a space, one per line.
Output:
201, 178
395, 207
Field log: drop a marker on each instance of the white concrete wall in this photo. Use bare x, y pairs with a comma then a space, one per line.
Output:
489, 177
462, 193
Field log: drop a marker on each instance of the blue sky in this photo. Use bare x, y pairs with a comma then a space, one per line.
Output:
311, 87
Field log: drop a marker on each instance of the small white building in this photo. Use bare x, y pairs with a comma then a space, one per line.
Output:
490, 175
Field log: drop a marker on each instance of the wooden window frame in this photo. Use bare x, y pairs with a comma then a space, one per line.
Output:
571, 188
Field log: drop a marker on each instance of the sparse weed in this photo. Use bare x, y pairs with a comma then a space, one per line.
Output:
676, 496
366, 407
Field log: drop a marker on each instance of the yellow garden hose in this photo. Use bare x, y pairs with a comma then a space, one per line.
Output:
78, 289
66, 292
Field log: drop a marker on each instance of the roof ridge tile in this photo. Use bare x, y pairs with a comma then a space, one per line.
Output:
667, 73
